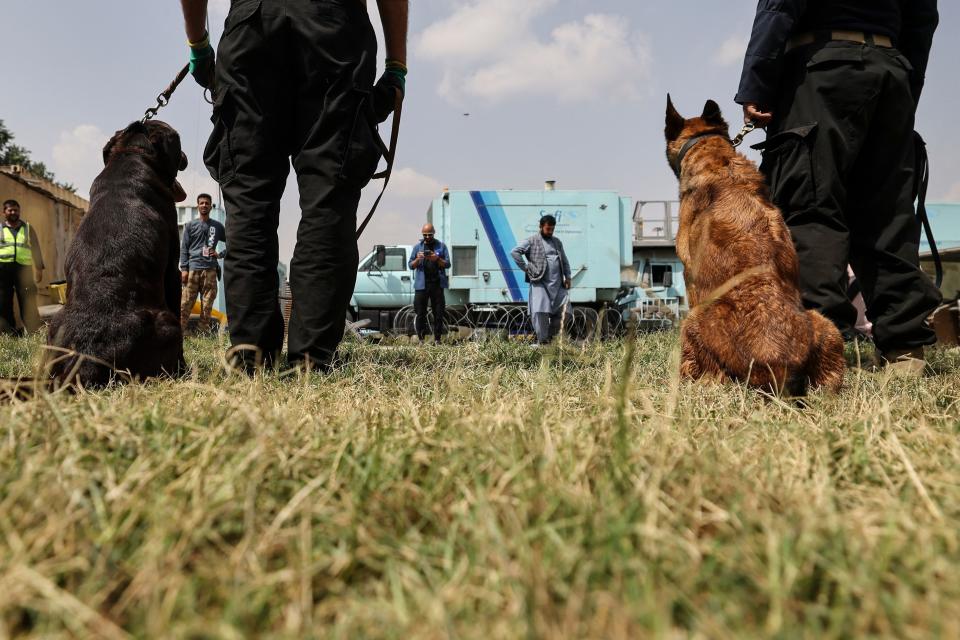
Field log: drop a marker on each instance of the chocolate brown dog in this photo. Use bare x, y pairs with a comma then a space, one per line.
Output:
746, 321
123, 282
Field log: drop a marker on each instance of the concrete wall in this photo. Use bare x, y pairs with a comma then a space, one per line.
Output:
54, 213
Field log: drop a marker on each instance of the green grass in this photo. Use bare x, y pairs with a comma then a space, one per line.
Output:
480, 491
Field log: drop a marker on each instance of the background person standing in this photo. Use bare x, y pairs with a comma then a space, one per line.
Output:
430, 259
837, 84
198, 263
548, 272
21, 267
294, 80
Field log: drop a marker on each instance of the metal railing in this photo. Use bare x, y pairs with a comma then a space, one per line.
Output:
655, 222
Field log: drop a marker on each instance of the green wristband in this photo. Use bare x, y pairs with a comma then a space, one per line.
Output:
397, 67
200, 54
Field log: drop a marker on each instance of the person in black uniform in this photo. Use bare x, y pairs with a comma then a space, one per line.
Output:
294, 79
836, 83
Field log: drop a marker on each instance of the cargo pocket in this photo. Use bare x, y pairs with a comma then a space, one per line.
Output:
218, 154
788, 165
836, 55
362, 147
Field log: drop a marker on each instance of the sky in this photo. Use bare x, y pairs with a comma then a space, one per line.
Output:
566, 90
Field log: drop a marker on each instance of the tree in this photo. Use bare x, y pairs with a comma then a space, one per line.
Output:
5, 136
15, 154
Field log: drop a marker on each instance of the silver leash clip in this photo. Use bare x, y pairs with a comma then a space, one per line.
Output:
747, 130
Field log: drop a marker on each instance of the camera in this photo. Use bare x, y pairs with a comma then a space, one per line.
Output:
427, 252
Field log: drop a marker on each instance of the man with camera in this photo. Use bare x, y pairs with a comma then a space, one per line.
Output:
430, 259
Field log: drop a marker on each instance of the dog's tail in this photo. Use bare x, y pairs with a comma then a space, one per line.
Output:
825, 364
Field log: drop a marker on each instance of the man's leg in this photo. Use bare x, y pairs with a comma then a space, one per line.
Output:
541, 326
208, 295
8, 283
557, 324
335, 154
808, 159
439, 304
27, 297
188, 297
248, 154
420, 299
886, 241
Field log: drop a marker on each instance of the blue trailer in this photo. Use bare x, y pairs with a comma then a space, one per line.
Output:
480, 228
945, 221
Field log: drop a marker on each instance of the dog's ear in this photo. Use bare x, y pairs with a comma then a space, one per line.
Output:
166, 141
675, 122
711, 113
133, 127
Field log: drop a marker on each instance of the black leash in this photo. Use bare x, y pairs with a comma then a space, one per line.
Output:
390, 155
164, 98
921, 184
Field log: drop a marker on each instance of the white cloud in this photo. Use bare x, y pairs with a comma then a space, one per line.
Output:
407, 183
489, 49
477, 30
78, 156
731, 52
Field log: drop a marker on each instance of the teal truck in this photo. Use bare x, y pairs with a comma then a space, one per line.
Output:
487, 290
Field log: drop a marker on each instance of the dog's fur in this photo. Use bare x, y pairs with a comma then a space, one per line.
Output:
122, 314
747, 321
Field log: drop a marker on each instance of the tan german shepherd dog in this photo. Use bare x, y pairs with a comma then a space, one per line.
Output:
746, 321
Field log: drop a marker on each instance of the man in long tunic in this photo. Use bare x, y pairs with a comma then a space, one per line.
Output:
543, 260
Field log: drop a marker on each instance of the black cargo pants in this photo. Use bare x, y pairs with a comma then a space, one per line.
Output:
840, 161
432, 295
293, 80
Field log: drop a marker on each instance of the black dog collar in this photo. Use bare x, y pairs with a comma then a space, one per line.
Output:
690, 144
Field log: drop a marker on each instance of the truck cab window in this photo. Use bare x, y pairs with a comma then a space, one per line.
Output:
396, 261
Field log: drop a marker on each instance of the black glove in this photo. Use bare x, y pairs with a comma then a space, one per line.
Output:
385, 91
